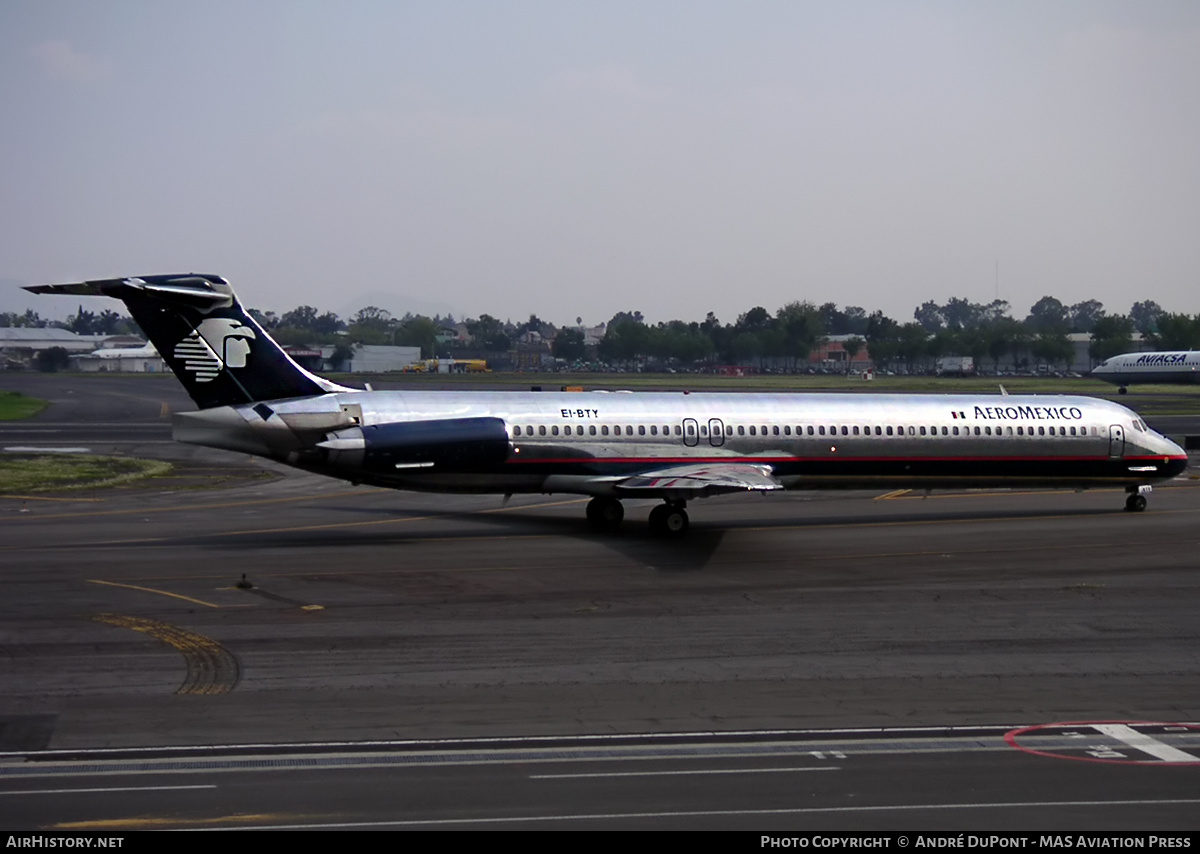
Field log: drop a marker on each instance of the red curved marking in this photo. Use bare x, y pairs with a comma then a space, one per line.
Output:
1012, 735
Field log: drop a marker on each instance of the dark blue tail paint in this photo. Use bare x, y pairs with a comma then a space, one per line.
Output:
216, 349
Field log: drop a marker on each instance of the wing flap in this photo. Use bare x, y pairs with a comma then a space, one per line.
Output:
699, 481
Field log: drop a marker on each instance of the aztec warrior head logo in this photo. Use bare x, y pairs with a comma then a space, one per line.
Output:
216, 344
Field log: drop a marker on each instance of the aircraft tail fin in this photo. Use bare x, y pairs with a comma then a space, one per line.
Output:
216, 349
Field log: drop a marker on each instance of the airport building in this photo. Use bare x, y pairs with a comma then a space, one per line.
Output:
126, 360
20, 344
377, 358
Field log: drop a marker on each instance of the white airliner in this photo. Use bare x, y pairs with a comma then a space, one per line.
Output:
672, 448
1168, 366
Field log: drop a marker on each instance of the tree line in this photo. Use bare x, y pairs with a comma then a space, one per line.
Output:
83, 322
984, 331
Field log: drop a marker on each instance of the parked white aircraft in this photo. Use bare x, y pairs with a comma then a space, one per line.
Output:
672, 447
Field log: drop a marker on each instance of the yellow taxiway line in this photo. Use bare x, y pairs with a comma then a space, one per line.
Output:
152, 590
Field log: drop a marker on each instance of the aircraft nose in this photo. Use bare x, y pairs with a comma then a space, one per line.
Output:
1177, 461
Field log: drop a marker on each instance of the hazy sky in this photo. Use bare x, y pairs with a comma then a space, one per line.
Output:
579, 158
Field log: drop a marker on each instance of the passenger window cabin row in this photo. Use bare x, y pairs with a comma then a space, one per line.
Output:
593, 430
809, 430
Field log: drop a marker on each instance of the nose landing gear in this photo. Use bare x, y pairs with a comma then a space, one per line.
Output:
1135, 500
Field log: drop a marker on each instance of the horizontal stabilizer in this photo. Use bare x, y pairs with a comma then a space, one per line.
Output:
196, 289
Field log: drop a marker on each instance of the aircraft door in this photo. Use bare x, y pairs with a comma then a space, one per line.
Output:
716, 432
691, 432
1116, 440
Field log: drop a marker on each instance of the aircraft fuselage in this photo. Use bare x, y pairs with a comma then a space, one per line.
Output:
1169, 366
505, 442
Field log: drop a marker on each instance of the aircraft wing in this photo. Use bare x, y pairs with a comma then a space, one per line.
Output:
698, 481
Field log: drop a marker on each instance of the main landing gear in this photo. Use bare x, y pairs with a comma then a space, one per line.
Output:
670, 519
605, 513
1135, 501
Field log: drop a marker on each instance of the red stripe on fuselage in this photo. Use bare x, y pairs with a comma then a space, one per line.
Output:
835, 456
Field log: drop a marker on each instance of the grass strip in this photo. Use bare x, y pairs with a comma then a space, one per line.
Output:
33, 473
14, 406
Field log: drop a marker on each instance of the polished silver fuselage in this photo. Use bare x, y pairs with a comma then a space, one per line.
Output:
585, 442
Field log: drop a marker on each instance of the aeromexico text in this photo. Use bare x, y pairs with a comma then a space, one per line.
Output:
1027, 413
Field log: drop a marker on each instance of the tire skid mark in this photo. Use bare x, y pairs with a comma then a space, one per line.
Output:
211, 668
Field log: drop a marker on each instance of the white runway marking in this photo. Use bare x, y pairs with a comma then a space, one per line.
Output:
679, 773
1146, 744
23, 449
107, 789
531, 819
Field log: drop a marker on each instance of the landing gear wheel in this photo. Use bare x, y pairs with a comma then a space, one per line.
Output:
605, 513
1135, 503
669, 520
675, 522
1122, 390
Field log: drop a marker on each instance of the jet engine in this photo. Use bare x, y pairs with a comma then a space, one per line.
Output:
445, 444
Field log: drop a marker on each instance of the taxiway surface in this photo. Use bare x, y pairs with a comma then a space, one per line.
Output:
378, 615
